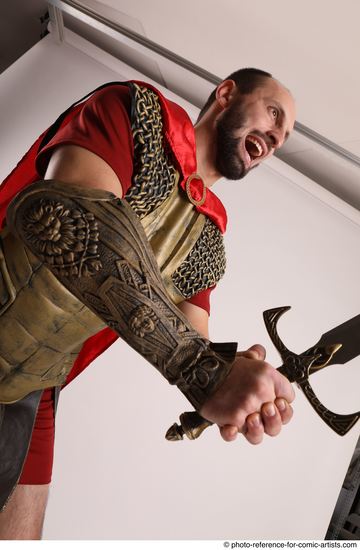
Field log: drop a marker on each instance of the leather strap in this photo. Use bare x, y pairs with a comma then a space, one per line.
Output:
16, 426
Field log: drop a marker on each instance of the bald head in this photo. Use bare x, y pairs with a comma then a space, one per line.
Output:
246, 81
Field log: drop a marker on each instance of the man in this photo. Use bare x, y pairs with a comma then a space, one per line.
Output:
111, 143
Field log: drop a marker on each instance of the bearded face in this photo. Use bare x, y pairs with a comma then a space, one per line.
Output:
247, 128
228, 160
251, 128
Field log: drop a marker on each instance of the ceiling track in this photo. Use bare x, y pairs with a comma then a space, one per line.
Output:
144, 45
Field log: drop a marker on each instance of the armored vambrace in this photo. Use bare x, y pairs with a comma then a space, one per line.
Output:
96, 247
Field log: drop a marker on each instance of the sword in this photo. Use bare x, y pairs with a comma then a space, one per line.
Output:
337, 346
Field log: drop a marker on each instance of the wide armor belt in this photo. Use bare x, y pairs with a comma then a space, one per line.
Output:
42, 325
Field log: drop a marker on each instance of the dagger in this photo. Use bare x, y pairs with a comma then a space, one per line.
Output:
337, 346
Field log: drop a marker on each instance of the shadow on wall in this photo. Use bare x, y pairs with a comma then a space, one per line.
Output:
22, 24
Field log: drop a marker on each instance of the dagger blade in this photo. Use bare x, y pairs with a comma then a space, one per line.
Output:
347, 334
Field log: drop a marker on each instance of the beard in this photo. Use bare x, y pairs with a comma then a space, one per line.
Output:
227, 160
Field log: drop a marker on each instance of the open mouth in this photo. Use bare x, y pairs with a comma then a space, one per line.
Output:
254, 147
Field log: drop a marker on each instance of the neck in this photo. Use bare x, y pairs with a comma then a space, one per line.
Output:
205, 153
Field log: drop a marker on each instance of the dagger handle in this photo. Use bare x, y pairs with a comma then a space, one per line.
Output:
296, 368
192, 424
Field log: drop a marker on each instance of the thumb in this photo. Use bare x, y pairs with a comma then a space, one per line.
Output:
254, 352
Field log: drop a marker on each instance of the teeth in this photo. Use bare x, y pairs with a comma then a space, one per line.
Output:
256, 143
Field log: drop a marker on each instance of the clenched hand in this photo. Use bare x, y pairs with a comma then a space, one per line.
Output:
254, 399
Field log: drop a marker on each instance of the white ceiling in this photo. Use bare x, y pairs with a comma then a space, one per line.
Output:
311, 46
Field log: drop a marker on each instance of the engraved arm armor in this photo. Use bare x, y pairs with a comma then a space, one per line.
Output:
96, 247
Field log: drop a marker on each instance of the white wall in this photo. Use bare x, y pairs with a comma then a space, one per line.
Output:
310, 46
289, 243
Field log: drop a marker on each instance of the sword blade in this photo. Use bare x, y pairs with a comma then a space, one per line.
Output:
347, 334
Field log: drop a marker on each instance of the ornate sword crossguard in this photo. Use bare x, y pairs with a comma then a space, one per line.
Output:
296, 368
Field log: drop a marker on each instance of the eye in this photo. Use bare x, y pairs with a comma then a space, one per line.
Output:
274, 112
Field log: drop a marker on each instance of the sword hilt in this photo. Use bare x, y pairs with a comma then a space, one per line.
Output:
296, 368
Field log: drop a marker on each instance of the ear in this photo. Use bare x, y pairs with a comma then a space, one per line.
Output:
225, 93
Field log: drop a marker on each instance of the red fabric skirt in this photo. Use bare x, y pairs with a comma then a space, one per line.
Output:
38, 465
